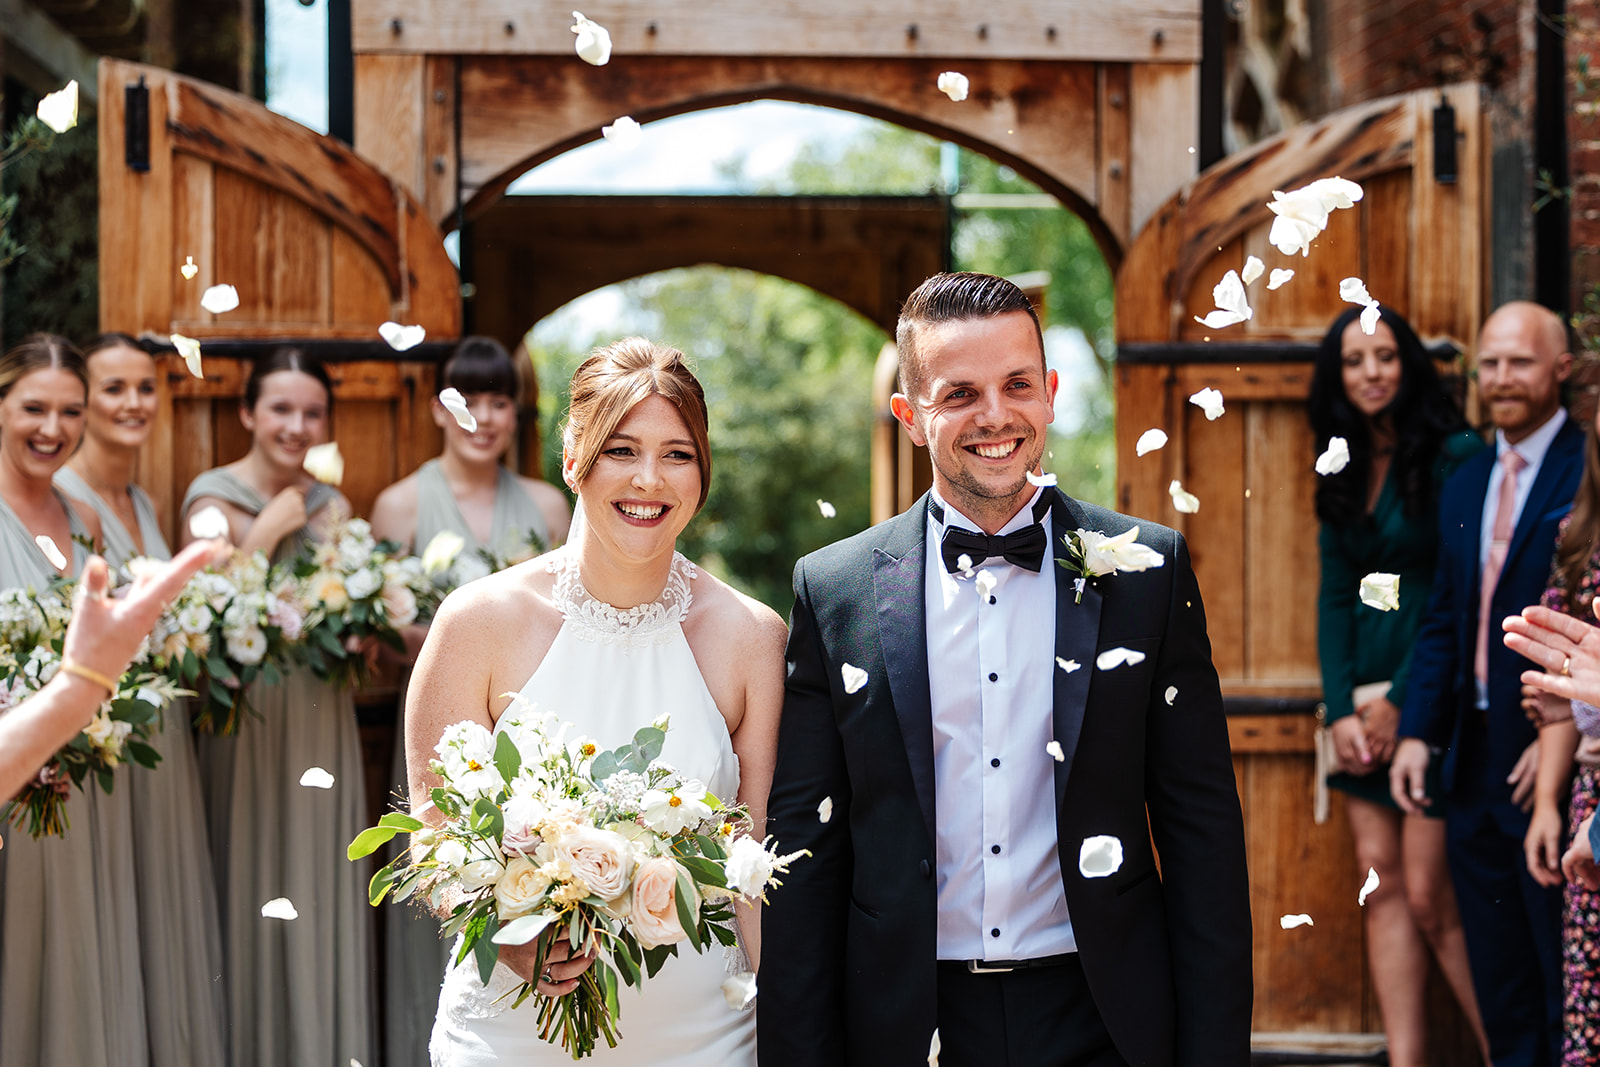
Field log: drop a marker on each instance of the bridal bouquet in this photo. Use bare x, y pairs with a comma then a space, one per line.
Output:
32, 630
230, 625
543, 837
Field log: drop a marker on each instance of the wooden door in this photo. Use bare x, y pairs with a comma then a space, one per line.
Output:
321, 246
1418, 243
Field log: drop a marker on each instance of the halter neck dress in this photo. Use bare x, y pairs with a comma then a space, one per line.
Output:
71, 987
415, 956
180, 941
610, 672
299, 991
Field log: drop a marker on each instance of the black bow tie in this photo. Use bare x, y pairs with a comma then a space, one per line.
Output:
1022, 548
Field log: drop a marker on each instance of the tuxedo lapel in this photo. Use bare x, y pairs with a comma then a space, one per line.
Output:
1077, 637
899, 589
1552, 473
1476, 488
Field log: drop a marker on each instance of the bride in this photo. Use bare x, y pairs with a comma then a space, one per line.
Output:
611, 632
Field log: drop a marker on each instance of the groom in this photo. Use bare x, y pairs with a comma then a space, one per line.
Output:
946, 799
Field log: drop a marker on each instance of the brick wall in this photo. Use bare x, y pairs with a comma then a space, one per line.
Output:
1583, 144
1380, 47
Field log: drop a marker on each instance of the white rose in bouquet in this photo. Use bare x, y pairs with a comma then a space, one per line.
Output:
195, 619
354, 552
360, 530
247, 646
481, 873
519, 888
654, 917
363, 583
326, 587
216, 588
285, 616
601, 858
399, 604
451, 855
523, 814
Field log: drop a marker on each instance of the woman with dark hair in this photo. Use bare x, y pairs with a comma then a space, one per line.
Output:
466, 491
301, 991
1381, 393
179, 939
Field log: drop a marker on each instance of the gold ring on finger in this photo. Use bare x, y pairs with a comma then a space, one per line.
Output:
1566, 666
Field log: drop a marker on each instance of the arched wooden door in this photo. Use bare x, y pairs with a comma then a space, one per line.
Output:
321, 246
1416, 239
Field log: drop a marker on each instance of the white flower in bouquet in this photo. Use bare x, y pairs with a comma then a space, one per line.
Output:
399, 604
451, 855
195, 618
216, 588
325, 554
560, 819
247, 646
481, 873
57, 613
603, 859
672, 813
40, 666
469, 567
627, 789
108, 735
654, 917
520, 888
326, 587
466, 750
523, 813
285, 616
442, 552
363, 583
19, 616
355, 552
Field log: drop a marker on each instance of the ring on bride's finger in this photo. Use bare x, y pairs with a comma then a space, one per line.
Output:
1566, 666
546, 975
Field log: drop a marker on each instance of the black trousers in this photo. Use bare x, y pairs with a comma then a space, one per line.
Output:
1041, 1017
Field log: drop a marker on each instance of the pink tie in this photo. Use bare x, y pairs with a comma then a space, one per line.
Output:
1503, 512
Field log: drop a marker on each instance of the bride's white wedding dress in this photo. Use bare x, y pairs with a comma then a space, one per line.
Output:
609, 673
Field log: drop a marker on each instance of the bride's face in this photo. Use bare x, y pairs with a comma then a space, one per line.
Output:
645, 485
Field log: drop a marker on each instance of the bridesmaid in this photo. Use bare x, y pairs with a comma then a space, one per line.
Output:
466, 491
298, 991
70, 977
179, 939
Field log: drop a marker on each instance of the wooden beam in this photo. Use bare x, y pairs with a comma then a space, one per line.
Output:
1141, 31
51, 47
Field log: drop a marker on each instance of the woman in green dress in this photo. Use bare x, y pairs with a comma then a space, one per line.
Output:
1405, 434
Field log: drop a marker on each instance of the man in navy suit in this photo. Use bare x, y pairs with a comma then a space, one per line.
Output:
971, 719
1497, 529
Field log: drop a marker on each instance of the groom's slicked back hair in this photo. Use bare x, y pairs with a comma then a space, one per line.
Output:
954, 297
612, 381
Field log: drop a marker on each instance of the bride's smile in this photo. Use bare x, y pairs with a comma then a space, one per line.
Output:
644, 486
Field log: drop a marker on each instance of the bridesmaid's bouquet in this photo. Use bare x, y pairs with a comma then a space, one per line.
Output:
540, 837
32, 631
448, 564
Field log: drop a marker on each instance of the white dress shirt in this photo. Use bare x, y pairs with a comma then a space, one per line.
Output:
1532, 449
990, 675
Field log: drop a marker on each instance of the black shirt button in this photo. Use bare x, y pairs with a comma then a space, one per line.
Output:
995, 849
991, 599
927, 869
993, 677
994, 763
995, 932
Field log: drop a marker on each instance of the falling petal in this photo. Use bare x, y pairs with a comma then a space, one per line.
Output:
279, 908
1369, 318
1354, 291
1149, 441
188, 270
316, 778
1279, 278
208, 523
1367, 887
1182, 499
1099, 856
1113, 658
964, 565
1068, 665
624, 133
324, 463
1289, 922
933, 1049
51, 552
954, 85
827, 509
400, 338
1054, 749
1252, 270
1381, 591
1290, 235
740, 990
825, 809
1334, 458
1046, 480
189, 349
220, 299
594, 41
1172, 694
456, 405
1208, 400
59, 110
854, 678
985, 583
1232, 306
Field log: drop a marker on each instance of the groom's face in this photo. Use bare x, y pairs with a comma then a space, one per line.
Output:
983, 401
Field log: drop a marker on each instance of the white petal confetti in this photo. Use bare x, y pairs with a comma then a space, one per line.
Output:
279, 908
1367, 887
933, 1049
954, 85
1054, 750
1279, 278
1380, 590
1354, 291
1171, 694
59, 110
1289, 922
1043, 479
189, 349
316, 778
1209, 401
1068, 665
220, 299
456, 405
1232, 306
324, 463
594, 41
827, 509
400, 338
1149, 441
825, 809
208, 523
1252, 270
1182, 499
51, 552
1334, 458
624, 133
1369, 318
188, 270
964, 565
739, 990
1113, 658
985, 583
854, 678
1302, 213
1099, 856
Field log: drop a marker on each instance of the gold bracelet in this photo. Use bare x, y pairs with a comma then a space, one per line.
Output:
91, 675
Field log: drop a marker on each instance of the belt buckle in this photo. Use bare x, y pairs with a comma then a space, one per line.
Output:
983, 967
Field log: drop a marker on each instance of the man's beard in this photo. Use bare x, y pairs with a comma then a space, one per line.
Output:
975, 488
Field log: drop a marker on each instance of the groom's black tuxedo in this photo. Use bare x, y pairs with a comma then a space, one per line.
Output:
848, 957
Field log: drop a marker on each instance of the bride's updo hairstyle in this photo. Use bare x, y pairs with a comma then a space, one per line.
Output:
615, 378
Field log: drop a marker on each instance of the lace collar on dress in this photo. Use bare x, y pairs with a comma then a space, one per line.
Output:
600, 623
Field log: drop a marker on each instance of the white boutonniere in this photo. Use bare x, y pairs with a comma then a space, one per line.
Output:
1091, 554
